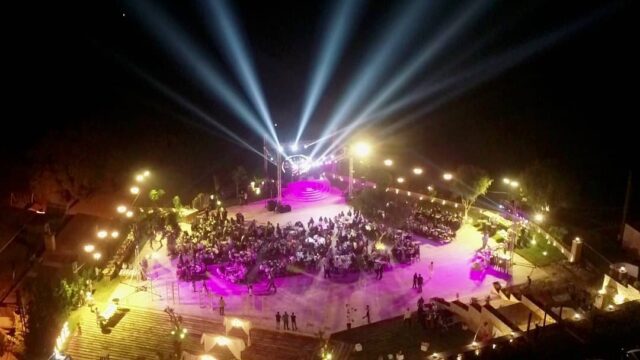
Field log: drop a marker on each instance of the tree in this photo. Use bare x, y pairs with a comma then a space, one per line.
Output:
543, 186
373, 203
470, 182
156, 194
239, 175
49, 303
177, 204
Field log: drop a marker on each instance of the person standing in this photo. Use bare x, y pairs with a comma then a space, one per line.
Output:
221, 305
415, 281
367, 316
420, 282
407, 317
294, 326
431, 270
278, 320
485, 240
285, 321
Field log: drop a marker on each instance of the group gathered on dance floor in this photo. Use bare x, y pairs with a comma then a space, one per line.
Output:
246, 252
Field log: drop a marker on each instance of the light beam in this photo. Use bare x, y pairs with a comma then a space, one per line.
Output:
338, 32
229, 36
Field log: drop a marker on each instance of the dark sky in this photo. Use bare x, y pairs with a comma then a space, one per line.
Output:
570, 103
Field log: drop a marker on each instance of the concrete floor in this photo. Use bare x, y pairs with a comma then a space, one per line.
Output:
321, 304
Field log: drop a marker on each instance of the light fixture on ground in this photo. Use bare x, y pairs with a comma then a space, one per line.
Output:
89, 248
506, 181
447, 176
294, 147
121, 209
388, 162
102, 234
417, 171
514, 184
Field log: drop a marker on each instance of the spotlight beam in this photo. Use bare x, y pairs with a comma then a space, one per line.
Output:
230, 37
494, 67
166, 91
417, 63
338, 32
381, 56
174, 40
484, 71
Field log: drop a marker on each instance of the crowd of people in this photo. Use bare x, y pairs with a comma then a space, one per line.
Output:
245, 252
249, 251
435, 223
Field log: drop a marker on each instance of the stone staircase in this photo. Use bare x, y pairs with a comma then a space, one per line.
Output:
138, 334
271, 345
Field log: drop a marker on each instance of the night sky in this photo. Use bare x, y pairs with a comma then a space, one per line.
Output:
570, 103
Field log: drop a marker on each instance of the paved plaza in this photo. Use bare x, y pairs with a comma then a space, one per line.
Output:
321, 304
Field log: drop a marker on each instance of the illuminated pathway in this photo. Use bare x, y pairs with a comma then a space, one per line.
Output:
320, 303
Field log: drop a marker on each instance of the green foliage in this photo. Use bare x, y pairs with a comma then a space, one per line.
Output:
543, 185
50, 300
177, 204
470, 182
239, 176
383, 206
156, 194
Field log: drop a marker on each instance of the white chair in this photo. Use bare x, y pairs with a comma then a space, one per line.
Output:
424, 346
358, 347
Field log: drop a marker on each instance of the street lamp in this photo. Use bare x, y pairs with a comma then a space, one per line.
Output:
146, 173
360, 149
506, 181
538, 217
97, 256
417, 171
400, 180
447, 176
135, 190
89, 248
121, 209
388, 162
102, 234
129, 214
139, 178
115, 234
514, 184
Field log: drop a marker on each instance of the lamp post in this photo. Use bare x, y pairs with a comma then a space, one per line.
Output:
360, 149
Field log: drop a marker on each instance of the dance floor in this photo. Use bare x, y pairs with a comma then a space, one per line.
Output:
321, 304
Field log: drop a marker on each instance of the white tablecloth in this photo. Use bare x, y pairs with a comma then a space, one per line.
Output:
234, 344
246, 327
